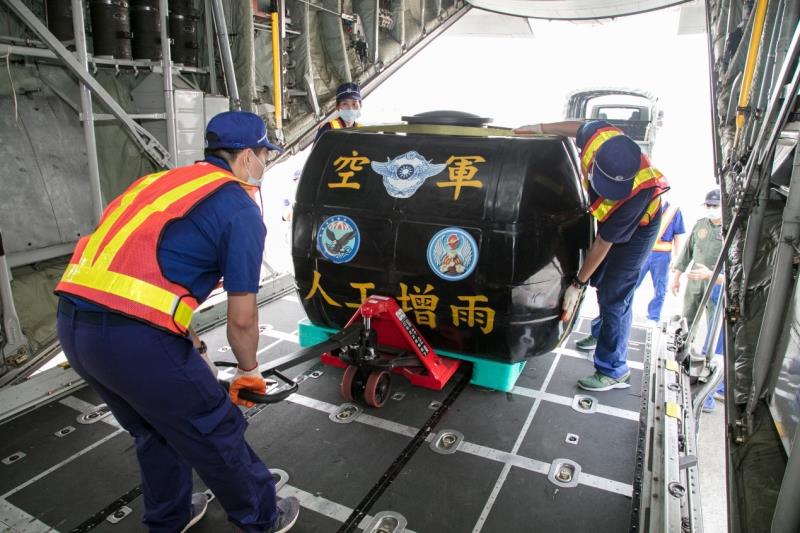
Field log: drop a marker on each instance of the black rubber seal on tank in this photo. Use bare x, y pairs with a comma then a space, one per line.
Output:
363, 508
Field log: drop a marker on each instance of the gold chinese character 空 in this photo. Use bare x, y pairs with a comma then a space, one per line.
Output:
316, 286
421, 302
462, 169
471, 315
362, 288
346, 168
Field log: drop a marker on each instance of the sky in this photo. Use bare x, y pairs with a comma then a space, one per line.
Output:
519, 80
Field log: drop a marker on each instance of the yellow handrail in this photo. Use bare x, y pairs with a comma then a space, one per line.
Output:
277, 98
750, 65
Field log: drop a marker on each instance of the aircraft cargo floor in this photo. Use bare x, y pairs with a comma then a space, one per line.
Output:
499, 478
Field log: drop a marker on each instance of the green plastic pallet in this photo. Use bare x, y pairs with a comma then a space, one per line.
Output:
486, 373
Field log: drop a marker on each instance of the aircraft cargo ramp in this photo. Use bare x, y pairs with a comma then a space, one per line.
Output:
543, 457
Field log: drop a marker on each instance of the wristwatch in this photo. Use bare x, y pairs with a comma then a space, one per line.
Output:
203, 348
578, 283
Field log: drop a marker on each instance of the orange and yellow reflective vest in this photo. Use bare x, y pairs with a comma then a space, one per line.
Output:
117, 266
648, 177
338, 124
666, 219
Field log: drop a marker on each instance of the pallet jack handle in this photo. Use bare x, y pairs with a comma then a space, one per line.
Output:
345, 337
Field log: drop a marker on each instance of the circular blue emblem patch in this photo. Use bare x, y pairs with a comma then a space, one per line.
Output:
452, 254
338, 239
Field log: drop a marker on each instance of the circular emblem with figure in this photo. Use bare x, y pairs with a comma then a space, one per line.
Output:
452, 254
338, 239
702, 233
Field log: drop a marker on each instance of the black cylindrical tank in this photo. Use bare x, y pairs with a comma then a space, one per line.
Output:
111, 28
477, 237
59, 19
146, 26
183, 32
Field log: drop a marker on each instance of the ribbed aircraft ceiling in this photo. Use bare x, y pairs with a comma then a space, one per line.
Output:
573, 9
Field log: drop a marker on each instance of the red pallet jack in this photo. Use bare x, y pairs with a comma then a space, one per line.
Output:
379, 340
388, 344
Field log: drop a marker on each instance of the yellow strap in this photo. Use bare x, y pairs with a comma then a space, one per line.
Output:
335, 124
666, 220
673, 410
132, 289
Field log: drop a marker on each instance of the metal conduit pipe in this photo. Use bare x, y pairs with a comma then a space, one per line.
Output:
750, 64
225, 54
780, 288
6, 49
706, 390
166, 74
87, 113
713, 328
774, 116
789, 18
212, 62
786, 518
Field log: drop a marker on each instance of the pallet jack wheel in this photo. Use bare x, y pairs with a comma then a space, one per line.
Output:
348, 380
376, 391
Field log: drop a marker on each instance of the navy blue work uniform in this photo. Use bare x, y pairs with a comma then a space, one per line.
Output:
657, 264
160, 389
616, 277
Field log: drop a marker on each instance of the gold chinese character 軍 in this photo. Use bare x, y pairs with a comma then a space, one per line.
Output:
316, 286
346, 168
461, 170
362, 288
421, 302
471, 315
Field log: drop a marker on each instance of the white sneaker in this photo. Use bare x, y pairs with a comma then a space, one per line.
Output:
199, 507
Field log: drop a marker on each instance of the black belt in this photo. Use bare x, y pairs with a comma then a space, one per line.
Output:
108, 318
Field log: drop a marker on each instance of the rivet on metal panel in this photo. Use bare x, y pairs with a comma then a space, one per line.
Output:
584, 404
434, 405
345, 413
13, 458
316, 374
101, 412
64, 431
447, 441
281, 477
676, 489
119, 514
572, 438
397, 396
387, 522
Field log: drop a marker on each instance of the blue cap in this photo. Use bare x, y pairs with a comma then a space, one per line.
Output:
712, 198
236, 130
615, 164
348, 90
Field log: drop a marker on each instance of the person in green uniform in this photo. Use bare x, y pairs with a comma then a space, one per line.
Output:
702, 250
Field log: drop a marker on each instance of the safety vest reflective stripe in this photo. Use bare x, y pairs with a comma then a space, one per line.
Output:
137, 290
646, 178
117, 266
338, 124
666, 220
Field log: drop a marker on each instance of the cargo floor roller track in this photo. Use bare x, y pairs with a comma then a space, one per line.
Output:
541, 457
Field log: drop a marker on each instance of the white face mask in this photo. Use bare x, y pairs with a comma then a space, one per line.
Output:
349, 115
257, 181
714, 213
